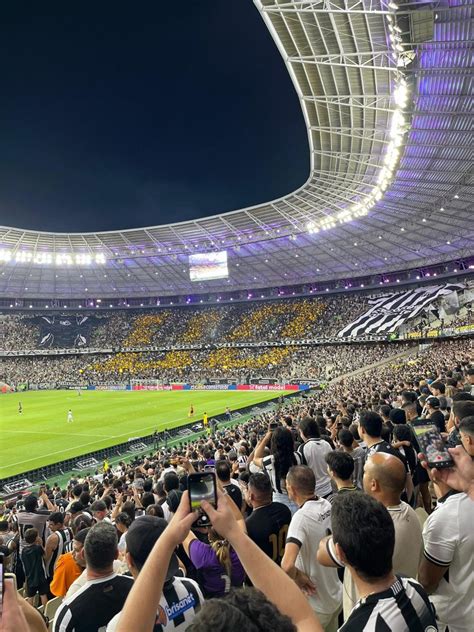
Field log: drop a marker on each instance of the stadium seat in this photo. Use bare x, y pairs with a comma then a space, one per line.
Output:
51, 608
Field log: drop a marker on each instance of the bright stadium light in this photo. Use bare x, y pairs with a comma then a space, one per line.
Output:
397, 130
42, 258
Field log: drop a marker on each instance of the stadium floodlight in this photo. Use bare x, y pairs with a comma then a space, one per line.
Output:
398, 128
48, 258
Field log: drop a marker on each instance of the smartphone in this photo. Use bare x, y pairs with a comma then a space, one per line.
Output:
202, 486
433, 446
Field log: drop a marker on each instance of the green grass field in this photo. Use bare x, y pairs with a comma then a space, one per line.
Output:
41, 435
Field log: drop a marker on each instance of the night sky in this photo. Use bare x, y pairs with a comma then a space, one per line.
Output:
120, 115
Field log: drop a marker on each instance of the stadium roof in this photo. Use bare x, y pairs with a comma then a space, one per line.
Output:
347, 60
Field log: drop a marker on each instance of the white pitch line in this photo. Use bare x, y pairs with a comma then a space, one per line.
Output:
56, 434
83, 445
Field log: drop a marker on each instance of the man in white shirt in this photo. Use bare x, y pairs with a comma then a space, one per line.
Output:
313, 453
384, 479
308, 526
447, 566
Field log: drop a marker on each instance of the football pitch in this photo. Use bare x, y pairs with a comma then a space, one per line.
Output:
41, 434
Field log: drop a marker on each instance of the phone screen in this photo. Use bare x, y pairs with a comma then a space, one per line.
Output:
202, 486
433, 446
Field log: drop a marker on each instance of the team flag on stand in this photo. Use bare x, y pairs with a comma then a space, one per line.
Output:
388, 313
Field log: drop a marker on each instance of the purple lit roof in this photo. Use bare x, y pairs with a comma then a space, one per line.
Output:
340, 63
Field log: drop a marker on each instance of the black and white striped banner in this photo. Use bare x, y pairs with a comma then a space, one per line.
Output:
388, 313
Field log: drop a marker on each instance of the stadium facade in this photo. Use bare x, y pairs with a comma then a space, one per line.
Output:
385, 94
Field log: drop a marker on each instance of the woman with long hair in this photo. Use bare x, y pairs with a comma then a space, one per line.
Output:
218, 567
282, 456
122, 524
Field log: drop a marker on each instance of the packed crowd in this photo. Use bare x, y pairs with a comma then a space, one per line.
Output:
269, 321
321, 362
243, 322
17, 332
314, 527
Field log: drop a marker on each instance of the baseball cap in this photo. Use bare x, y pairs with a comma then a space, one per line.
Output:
141, 537
433, 402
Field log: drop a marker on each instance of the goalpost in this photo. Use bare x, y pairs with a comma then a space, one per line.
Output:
147, 385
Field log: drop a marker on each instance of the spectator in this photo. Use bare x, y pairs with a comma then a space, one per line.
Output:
282, 606
346, 442
33, 517
364, 537
384, 480
122, 523
268, 523
58, 542
308, 526
434, 414
32, 560
69, 566
438, 389
104, 593
370, 430
313, 451
420, 475
217, 563
341, 470
277, 464
447, 567
470, 380
461, 408
181, 598
99, 511
466, 431
9, 540
223, 472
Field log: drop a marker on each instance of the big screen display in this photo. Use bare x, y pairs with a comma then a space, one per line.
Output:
208, 266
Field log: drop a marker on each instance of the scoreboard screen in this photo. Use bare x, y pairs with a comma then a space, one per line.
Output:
208, 266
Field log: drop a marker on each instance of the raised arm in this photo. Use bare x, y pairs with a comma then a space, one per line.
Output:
262, 571
139, 611
259, 452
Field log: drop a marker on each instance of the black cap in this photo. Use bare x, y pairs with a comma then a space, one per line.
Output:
433, 402
141, 538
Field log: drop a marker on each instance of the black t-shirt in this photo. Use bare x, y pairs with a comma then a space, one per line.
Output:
91, 608
267, 527
437, 418
32, 559
235, 493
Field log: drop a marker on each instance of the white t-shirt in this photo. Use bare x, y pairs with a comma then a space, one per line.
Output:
314, 452
408, 540
307, 527
448, 537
